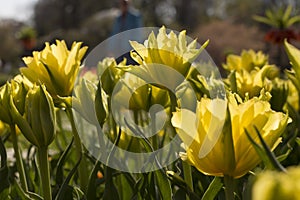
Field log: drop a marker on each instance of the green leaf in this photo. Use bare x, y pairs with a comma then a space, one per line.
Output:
65, 189
213, 189
294, 56
110, 192
99, 107
269, 153
264, 20
180, 194
293, 20
17, 192
126, 185
160, 175
291, 75
284, 156
163, 184
137, 188
178, 181
5, 194
264, 152
92, 186
232, 80
59, 168
260, 151
298, 140
287, 13
3, 168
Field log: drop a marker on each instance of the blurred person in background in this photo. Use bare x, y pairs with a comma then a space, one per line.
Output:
129, 18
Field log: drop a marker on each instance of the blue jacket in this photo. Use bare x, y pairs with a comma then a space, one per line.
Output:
131, 20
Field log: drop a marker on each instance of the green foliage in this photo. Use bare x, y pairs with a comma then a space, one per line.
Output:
279, 17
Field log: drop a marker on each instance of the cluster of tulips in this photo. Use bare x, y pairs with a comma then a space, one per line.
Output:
239, 134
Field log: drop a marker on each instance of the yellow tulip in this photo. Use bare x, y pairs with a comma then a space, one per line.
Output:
55, 66
220, 150
277, 185
251, 83
248, 60
167, 49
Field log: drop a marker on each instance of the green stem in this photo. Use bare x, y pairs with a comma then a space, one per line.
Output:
82, 172
44, 172
229, 187
187, 172
154, 137
19, 159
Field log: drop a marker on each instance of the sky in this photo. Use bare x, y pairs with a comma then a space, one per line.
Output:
17, 9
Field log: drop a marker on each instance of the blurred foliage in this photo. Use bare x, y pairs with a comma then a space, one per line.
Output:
26, 33
91, 21
10, 48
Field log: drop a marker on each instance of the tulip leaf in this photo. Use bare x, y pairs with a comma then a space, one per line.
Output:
264, 151
125, 184
178, 181
259, 150
5, 194
16, 192
294, 56
92, 185
110, 191
213, 189
232, 80
137, 188
160, 175
291, 75
4, 174
269, 153
163, 184
298, 140
60, 163
99, 107
284, 156
62, 193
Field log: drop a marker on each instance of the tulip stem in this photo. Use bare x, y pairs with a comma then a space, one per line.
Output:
229, 187
19, 160
44, 172
82, 172
187, 172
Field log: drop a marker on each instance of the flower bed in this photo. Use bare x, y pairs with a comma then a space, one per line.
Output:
167, 127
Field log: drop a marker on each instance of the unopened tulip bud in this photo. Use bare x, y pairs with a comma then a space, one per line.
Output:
38, 122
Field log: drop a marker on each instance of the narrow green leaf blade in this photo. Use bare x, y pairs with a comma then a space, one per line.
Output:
163, 184
213, 189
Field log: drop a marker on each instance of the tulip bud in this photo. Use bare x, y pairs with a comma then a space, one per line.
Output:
84, 100
17, 90
110, 74
4, 104
277, 185
279, 94
38, 122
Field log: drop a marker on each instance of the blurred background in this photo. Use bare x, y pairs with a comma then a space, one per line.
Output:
26, 24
